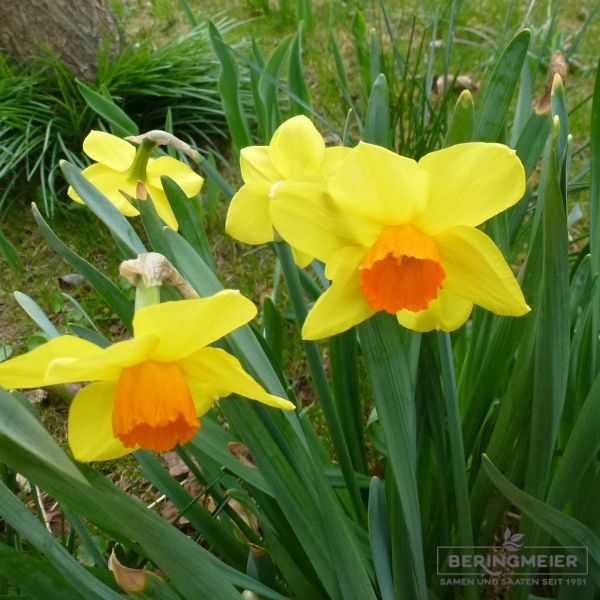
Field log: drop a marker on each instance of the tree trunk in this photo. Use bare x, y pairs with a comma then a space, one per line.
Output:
73, 29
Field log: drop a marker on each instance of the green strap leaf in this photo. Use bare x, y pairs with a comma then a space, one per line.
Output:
120, 123
33, 309
551, 366
103, 209
267, 88
377, 122
462, 123
343, 355
567, 530
16, 514
380, 538
190, 225
28, 449
580, 451
500, 89
595, 216
36, 577
393, 389
296, 79
229, 88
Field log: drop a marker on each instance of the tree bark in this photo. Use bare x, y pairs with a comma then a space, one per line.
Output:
73, 29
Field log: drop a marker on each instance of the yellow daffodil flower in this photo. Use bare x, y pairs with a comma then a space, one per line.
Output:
400, 236
149, 391
119, 167
296, 153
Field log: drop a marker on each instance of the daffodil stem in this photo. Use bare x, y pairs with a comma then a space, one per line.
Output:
317, 371
140, 162
457, 450
146, 295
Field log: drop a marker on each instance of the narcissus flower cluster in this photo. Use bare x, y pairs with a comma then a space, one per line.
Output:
119, 167
395, 235
146, 392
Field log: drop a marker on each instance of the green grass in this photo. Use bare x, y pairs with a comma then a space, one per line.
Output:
42, 268
44, 118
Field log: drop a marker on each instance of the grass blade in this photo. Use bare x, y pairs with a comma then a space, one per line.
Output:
10, 253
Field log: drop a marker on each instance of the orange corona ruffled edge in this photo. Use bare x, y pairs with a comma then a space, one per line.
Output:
402, 270
153, 407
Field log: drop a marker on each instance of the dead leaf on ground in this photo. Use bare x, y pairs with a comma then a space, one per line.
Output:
241, 452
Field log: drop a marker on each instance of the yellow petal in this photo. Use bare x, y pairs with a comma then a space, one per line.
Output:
334, 155
379, 186
74, 195
163, 207
248, 218
301, 258
184, 326
204, 393
447, 312
189, 181
29, 370
105, 364
256, 165
308, 219
90, 431
297, 148
469, 183
109, 150
343, 305
213, 365
109, 183
476, 270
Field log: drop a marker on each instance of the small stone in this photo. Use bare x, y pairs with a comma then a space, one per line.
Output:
177, 468
71, 280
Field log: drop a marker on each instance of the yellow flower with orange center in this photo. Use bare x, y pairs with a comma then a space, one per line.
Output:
400, 236
297, 152
119, 167
149, 391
